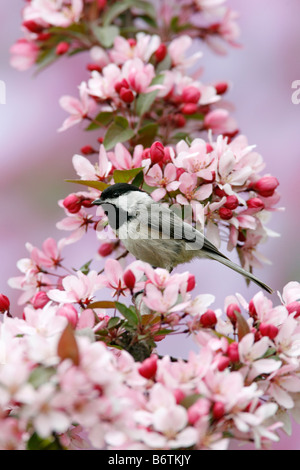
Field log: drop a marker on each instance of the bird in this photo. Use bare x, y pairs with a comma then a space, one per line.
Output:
155, 234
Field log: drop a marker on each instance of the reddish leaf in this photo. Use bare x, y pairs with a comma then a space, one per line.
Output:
67, 346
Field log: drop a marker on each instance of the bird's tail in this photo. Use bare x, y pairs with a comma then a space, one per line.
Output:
227, 262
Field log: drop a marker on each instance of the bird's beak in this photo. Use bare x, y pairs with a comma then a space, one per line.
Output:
97, 202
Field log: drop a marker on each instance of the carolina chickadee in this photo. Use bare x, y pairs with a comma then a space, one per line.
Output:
155, 234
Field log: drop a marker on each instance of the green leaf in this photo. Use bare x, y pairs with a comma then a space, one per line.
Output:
145, 100
35, 442
116, 10
104, 118
113, 322
129, 313
124, 176
138, 180
106, 34
85, 269
40, 376
92, 184
190, 400
117, 132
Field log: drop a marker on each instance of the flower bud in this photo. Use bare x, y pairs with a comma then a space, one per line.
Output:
191, 283
62, 48
294, 307
101, 4
161, 52
220, 192
225, 214
148, 367
208, 319
32, 26
191, 94
178, 395
221, 88
179, 120
131, 42
72, 203
199, 409
70, 313
209, 148
40, 300
232, 202
126, 95
230, 312
223, 363
4, 303
218, 410
129, 279
157, 152
87, 150
233, 352
269, 330
189, 108
105, 249
266, 186
122, 84
255, 203
252, 310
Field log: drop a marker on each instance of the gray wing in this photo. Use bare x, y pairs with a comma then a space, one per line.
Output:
166, 224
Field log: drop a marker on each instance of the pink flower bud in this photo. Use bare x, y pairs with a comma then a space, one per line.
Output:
40, 300
4, 303
161, 52
157, 152
209, 148
266, 186
70, 313
208, 319
198, 410
179, 395
230, 312
225, 214
268, 330
223, 363
221, 88
255, 203
126, 95
72, 203
252, 310
218, 410
105, 249
232, 202
189, 108
62, 48
148, 367
87, 150
294, 307
233, 352
191, 94
129, 279
191, 283
132, 42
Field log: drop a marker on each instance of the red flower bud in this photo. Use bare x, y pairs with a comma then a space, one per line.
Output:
255, 203
266, 186
179, 120
72, 203
208, 319
148, 367
223, 363
102, 4
122, 84
230, 312
4, 303
232, 202
233, 352
294, 307
252, 310
157, 152
94, 67
129, 279
40, 300
32, 26
218, 410
220, 192
225, 214
126, 95
87, 150
221, 88
189, 108
62, 48
191, 94
268, 330
191, 283
105, 249
161, 52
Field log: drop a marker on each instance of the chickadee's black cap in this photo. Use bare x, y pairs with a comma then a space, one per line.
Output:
116, 190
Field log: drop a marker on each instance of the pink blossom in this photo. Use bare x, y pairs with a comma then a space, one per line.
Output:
23, 54
192, 193
177, 49
122, 159
138, 75
195, 158
55, 12
79, 288
142, 48
78, 108
283, 382
103, 85
87, 171
166, 180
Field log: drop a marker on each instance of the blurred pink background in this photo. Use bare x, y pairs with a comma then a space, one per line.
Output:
35, 159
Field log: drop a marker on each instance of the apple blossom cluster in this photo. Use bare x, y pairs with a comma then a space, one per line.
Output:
81, 368
63, 388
